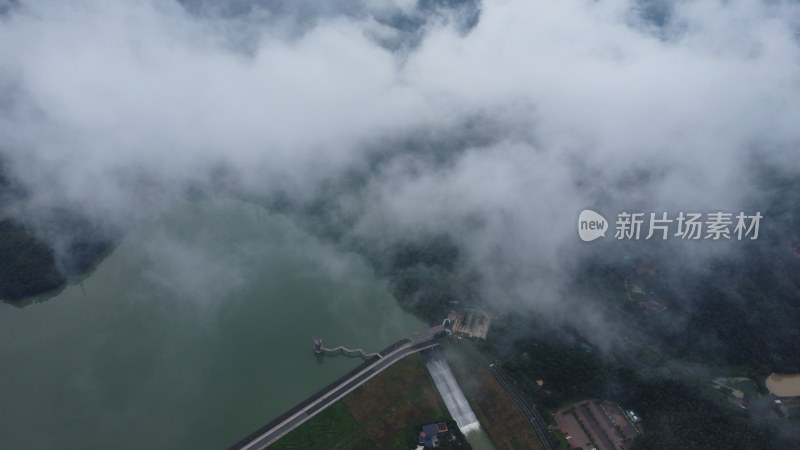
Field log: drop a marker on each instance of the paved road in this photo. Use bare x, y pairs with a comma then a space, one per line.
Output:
332, 394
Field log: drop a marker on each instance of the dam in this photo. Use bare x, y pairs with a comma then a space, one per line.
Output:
274, 430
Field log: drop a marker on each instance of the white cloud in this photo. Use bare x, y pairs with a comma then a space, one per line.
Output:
107, 103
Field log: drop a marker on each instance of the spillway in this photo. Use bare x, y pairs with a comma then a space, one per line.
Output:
451, 393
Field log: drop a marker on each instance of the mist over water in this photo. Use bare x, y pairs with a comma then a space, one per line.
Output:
194, 332
492, 122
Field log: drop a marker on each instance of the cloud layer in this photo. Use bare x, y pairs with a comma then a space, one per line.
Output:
496, 128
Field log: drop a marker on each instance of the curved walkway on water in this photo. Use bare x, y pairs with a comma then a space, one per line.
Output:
352, 352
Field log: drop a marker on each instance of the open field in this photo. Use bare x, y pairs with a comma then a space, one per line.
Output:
393, 405
333, 428
383, 413
498, 414
784, 385
737, 391
740, 385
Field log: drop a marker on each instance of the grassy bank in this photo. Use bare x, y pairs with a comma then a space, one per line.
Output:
383, 413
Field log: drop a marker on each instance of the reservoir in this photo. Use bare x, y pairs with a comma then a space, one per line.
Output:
193, 333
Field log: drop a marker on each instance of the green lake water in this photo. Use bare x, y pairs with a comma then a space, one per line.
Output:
194, 332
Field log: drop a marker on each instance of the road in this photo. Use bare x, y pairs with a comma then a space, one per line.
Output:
332, 394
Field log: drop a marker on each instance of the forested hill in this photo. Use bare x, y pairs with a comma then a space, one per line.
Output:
29, 265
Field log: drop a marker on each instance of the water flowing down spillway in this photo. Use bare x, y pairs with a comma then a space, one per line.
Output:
452, 395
